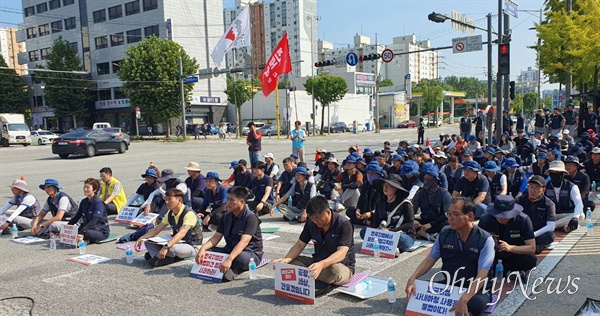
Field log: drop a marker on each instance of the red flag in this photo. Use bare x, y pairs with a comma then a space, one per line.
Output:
279, 63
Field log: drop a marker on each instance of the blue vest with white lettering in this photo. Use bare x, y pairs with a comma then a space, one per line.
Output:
495, 186
455, 257
31, 211
54, 207
512, 231
564, 205
515, 186
301, 195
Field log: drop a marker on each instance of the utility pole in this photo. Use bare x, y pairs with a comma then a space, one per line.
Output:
489, 77
377, 122
568, 78
506, 84
499, 79
181, 78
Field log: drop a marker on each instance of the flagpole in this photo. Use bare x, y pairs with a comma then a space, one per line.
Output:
277, 112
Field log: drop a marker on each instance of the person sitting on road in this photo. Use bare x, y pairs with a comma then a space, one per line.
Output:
467, 254
566, 198
243, 238
348, 183
262, 190
284, 182
241, 176
490, 155
332, 262
515, 177
513, 229
327, 183
541, 210
187, 233
368, 155
272, 169
145, 189
475, 186
433, 201
541, 166
112, 192
442, 181
497, 180
28, 207
196, 185
92, 211
155, 202
394, 212
410, 178
592, 166
385, 167
215, 201
453, 171
396, 166
300, 192
60, 205
580, 179
319, 168
369, 196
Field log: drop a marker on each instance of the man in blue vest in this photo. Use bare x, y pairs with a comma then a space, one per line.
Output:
465, 126
59, 204
566, 197
516, 178
557, 122
580, 179
506, 221
453, 171
187, 233
243, 239
541, 210
589, 119
570, 119
333, 259
300, 192
433, 201
467, 254
498, 183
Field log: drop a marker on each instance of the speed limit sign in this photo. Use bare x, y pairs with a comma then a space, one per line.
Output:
387, 55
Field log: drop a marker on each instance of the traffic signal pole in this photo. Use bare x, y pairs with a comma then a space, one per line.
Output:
506, 84
489, 79
499, 78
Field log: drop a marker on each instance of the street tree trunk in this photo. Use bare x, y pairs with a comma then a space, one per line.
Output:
238, 119
323, 118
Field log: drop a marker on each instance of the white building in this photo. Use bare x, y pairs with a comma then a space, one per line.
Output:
270, 20
101, 31
527, 81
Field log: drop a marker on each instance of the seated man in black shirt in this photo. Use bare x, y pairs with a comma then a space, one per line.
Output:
262, 187
513, 230
541, 210
241, 230
333, 259
475, 186
300, 193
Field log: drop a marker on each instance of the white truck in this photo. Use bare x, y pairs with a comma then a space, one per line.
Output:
14, 130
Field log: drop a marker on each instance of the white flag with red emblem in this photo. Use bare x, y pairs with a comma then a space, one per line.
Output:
236, 36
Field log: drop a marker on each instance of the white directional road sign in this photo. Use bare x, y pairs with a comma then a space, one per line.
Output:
352, 59
511, 8
466, 44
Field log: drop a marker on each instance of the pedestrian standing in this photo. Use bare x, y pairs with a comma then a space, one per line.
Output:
421, 132
196, 132
254, 142
149, 130
298, 138
465, 126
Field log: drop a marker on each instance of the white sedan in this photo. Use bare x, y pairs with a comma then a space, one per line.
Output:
42, 137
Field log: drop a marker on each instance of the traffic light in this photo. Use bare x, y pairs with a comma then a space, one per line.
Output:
188, 107
370, 57
504, 59
324, 63
511, 90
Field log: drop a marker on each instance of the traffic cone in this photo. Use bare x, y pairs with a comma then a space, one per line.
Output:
427, 143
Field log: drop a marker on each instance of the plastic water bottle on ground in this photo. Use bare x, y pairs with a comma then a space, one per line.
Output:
82, 247
499, 271
252, 269
14, 231
376, 248
391, 291
52, 242
382, 225
129, 255
289, 202
590, 227
588, 213
363, 286
594, 186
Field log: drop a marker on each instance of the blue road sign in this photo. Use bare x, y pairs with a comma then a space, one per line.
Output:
511, 8
191, 79
352, 59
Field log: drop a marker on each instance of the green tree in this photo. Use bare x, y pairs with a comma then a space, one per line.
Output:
518, 103
69, 94
14, 97
283, 84
547, 102
433, 95
530, 102
238, 92
327, 89
150, 73
386, 83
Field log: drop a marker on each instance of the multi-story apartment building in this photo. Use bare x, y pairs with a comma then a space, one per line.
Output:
102, 31
10, 48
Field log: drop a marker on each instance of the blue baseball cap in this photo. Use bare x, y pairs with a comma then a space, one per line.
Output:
301, 170
431, 169
585, 134
490, 150
472, 165
403, 153
355, 155
213, 175
351, 159
491, 166
150, 173
54, 183
295, 156
396, 157
466, 152
409, 168
388, 149
472, 138
367, 150
542, 155
510, 163
373, 166
233, 164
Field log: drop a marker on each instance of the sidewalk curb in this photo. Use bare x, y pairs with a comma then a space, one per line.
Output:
515, 299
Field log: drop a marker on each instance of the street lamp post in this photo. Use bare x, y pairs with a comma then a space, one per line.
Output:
313, 18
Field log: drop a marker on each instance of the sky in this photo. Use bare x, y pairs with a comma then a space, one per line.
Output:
342, 19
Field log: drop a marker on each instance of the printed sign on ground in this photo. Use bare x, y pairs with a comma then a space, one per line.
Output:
127, 214
388, 242
294, 282
427, 303
143, 220
68, 234
28, 240
88, 259
210, 267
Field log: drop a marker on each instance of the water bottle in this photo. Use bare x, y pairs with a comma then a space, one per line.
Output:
14, 231
52, 242
499, 271
383, 224
290, 201
363, 286
376, 248
590, 227
391, 291
129, 255
82, 247
588, 213
252, 269
594, 186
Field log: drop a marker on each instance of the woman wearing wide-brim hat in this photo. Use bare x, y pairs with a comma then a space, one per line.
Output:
327, 183
394, 212
28, 207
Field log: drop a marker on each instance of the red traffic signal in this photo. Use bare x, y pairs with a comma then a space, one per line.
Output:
504, 49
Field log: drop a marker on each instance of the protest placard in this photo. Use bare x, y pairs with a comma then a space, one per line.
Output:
143, 220
294, 282
388, 242
127, 214
68, 234
28, 240
377, 285
210, 267
427, 303
88, 259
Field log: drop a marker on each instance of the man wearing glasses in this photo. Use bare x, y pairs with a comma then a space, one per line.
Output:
467, 254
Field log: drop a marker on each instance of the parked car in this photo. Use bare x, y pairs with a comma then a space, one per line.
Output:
317, 129
42, 137
118, 132
270, 129
407, 124
87, 143
78, 129
360, 128
430, 121
337, 127
245, 129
